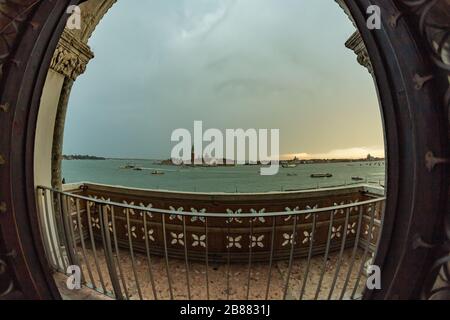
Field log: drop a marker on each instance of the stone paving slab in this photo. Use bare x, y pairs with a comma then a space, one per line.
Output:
228, 282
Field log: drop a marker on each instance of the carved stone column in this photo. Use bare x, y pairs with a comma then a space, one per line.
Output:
58, 134
70, 59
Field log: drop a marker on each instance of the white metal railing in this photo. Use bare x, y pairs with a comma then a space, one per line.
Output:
83, 231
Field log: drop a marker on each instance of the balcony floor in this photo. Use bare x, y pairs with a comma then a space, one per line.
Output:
238, 278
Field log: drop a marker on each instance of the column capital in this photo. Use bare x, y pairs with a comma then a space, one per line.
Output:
71, 56
356, 44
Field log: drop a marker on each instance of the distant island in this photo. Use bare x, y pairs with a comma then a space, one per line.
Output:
369, 158
81, 157
294, 161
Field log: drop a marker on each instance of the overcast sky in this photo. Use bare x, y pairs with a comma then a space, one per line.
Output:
161, 64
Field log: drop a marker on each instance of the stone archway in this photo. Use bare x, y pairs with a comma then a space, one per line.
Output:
69, 61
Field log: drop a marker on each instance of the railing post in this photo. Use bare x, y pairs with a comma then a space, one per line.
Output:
326, 255
291, 257
61, 242
83, 245
54, 229
366, 250
71, 254
108, 253
310, 253
116, 247
354, 252
44, 227
272, 247
133, 260
69, 221
166, 255
94, 247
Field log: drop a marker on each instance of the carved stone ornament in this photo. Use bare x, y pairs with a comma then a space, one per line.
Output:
71, 56
356, 44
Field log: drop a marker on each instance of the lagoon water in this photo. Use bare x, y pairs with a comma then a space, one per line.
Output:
219, 179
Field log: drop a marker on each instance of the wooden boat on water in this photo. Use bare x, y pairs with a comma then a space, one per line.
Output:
321, 175
357, 179
156, 172
128, 166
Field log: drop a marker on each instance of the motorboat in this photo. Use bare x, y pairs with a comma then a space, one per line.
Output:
128, 166
321, 175
289, 165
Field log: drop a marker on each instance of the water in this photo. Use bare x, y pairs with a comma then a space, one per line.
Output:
219, 179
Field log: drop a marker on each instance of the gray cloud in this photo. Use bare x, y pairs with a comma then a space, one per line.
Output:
160, 65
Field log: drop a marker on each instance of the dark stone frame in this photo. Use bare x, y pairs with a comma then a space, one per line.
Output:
415, 120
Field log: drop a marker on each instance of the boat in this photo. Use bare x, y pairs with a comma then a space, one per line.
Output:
321, 175
156, 172
128, 166
357, 179
137, 169
287, 165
